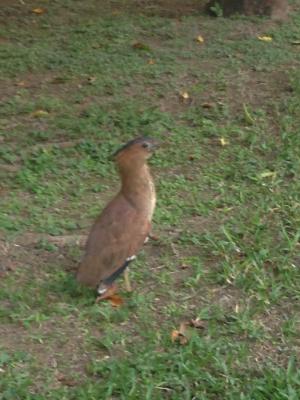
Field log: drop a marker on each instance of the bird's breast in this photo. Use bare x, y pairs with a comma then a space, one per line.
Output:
152, 199
138, 188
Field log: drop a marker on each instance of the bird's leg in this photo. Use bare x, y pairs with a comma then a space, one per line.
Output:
127, 281
110, 291
152, 237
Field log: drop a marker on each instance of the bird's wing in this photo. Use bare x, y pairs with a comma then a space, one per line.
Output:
117, 234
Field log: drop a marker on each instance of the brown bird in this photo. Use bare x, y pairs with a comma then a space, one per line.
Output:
124, 225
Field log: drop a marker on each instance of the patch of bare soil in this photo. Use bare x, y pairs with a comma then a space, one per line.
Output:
24, 252
11, 255
56, 346
275, 348
22, 11
164, 8
47, 357
37, 83
258, 90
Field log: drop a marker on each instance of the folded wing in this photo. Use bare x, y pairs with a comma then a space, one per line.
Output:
116, 235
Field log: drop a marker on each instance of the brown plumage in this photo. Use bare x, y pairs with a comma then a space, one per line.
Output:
124, 224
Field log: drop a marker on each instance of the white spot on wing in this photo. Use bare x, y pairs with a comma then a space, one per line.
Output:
101, 289
131, 258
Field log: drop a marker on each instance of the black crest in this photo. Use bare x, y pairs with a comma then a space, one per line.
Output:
140, 139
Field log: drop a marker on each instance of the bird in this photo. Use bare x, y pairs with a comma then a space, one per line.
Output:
124, 224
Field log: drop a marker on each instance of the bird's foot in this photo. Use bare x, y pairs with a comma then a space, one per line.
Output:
152, 236
105, 293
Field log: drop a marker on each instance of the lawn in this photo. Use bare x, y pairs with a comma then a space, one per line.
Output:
78, 79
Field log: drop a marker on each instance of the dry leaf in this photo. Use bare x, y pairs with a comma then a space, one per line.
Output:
58, 80
179, 336
223, 141
200, 39
92, 79
11, 266
141, 46
207, 105
265, 38
197, 323
184, 266
151, 61
268, 174
38, 10
65, 380
184, 95
21, 84
248, 116
39, 113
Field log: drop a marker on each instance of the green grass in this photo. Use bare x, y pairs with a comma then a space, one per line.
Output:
227, 214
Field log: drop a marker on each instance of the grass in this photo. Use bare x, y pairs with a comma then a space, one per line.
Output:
77, 82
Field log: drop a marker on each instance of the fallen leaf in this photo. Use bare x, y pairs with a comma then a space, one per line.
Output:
92, 79
248, 116
200, 39
197, 323
58, 80
223, 141
265, 38
179, 336
21, 84
11, 266
65, 380
268, 174
207, 105
141, 46
270, 265
184, 95
151, 61
184, 266
39, 114
38, 10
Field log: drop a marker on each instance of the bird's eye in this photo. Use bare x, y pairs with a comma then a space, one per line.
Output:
145, 145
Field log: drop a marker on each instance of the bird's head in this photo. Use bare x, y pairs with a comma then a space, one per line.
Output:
136, 151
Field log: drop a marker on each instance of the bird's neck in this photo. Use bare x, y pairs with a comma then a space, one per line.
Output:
138, 188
